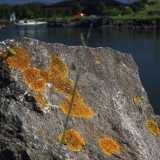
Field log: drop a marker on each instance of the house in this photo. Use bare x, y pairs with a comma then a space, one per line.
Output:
63, 8
89, 7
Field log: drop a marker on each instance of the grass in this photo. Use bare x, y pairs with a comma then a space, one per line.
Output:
141, 15
136, 17
58, 19
77, 71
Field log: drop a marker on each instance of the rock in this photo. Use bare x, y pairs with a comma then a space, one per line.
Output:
101, 22
113, 106
153, 12
95, 21
82, 23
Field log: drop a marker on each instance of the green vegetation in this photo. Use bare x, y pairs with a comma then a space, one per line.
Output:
11, 52
112, 12
138, 11
102, 8
136, 17
77, 7
27, 10
31, 11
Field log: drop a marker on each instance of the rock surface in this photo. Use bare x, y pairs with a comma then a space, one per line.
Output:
108, 83
156, 11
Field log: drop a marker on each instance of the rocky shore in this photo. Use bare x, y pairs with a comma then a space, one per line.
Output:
99, 22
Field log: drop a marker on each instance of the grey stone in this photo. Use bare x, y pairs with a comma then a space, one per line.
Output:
107, 88
156, 11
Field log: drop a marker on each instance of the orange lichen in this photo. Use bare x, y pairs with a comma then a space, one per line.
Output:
108, 146
4, 54
78, 110
33, 78
57, 67
73, 140
77, 98
137, 99
152, 127
44, 75
36, 79
57, 75
63, 85
30, 75
40, 100
98, 62
38, 85
20, 60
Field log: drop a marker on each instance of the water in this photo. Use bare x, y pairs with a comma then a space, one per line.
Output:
143, 45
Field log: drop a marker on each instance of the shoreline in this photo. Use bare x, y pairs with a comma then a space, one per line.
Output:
106, 22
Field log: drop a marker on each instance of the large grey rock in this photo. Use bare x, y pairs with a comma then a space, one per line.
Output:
108, 83
156, 11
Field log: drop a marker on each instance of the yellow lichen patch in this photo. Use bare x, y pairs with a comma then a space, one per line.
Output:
77, 98
67, 87
36, 79
78, 110
98, 62
4, 54
57, 75
20, 60
152, 127
44, 75
40, 100
108, 146
33, 79
57, 67
31, 74
59, 84
137, 99
73, 140
38, 85
62, 85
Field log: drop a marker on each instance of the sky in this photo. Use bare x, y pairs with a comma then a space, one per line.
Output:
12, 2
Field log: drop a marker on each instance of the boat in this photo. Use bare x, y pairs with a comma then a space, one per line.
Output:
30, 23
13, 17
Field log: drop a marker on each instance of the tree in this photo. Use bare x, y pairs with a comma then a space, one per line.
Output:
18, 10
101, 8
77, 7
29, 13
122, 8
36, 8
137, 6
112, 12
29, 10
5, 11
127, 11
144, 1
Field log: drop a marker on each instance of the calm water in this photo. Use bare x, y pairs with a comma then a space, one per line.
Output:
143, 45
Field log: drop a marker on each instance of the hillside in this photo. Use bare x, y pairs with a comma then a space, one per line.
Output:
149, 12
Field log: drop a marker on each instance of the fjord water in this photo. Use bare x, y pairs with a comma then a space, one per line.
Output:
142, 44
